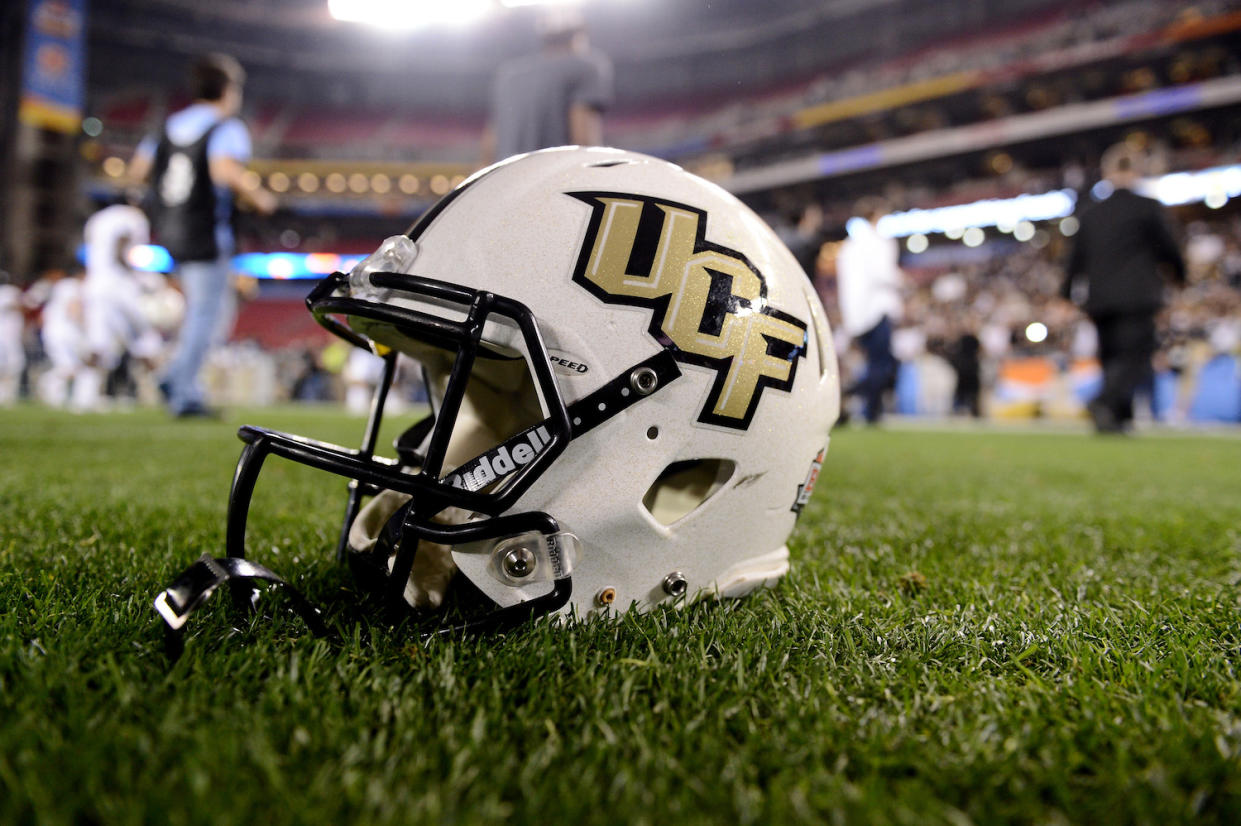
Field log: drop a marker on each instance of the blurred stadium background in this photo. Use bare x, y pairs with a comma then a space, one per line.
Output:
981, 121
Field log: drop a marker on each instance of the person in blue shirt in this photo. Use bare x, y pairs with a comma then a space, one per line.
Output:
196, 169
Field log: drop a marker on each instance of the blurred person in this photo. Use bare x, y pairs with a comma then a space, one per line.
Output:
113, 299
805, 238
313, 382
197, 173
869, 281
1230, 264
363, 371
12, 348
555, 97
63, 334
965, 358
1120, 248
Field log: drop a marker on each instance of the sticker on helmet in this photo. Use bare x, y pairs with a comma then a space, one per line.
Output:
806, 488
567, 364
708, 302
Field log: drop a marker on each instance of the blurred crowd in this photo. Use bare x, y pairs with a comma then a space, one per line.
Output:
967, 311
50, 355
998, 304
46, 357
1002, 304
1081, 55
1088, 24
1031, 66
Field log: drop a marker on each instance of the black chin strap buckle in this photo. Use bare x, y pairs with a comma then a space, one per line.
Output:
199, 581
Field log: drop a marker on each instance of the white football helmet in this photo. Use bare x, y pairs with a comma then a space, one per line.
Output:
631, 381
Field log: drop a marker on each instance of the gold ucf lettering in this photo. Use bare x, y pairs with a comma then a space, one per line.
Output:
714, 304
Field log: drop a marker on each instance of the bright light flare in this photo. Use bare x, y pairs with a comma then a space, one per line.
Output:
995, 212
1036, 332
281, 267
149, 258
513, 4
408, 14
322, 263
1214, 186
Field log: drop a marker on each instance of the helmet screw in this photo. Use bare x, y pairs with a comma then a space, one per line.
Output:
643, 380
675, 584
606, 596
519, 562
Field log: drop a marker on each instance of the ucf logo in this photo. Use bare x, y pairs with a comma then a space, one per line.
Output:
708, 303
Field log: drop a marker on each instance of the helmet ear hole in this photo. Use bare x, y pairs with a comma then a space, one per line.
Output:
684, 487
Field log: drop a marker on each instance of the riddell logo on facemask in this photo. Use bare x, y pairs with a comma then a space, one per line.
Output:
501, 461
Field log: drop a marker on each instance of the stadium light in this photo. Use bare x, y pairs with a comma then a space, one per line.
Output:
149, 258
408, 14
1213, 186
277, 265
293, 266
1191, 187
513, 4
954, 220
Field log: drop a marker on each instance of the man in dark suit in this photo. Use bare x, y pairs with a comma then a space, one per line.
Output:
1124, 247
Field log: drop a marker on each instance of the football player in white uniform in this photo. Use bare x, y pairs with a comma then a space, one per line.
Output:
113, 298
12, 351
64, 341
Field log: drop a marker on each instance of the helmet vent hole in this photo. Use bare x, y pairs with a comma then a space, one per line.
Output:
652, 433
606, 164
684, 487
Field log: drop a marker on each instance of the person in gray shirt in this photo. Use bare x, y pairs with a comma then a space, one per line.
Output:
555, 97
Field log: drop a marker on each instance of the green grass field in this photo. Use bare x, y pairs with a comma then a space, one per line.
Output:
980, 627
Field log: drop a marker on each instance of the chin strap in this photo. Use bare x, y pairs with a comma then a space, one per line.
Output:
199, 581
193, 587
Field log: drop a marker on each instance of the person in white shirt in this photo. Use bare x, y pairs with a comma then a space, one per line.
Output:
868, 282
12, 351
362, 372
112, 299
